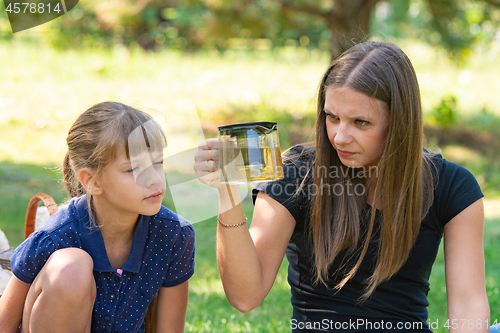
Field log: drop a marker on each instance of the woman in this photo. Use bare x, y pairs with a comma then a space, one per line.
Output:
354, 268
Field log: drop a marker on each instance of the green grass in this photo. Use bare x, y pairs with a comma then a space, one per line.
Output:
42, 91
437, 295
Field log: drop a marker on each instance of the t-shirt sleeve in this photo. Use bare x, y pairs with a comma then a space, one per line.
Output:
181, 266
288, 191
30, 257
457, 189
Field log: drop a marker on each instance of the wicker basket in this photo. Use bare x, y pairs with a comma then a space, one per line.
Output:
5, 258
29, 222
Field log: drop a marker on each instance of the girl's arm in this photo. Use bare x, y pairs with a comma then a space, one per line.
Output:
12, 305
171, 312
464, 267
249, 259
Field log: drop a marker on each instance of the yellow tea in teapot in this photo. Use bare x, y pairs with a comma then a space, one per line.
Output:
250, 152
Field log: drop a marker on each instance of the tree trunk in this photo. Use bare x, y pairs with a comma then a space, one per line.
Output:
348, 21
349, 24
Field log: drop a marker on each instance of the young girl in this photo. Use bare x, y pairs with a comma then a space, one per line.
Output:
96, 265
361, 214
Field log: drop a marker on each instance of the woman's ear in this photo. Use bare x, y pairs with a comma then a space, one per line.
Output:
87, 178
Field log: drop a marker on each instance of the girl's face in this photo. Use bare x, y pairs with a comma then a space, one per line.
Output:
357, 126
135, 185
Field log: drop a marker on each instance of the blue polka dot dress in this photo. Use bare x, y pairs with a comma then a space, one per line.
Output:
162, 255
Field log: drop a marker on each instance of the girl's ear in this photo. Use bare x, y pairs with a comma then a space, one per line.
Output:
88, 181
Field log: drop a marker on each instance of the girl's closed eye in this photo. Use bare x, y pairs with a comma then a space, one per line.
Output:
158, 165
132, 169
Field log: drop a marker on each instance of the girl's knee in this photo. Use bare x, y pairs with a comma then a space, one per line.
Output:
70, 271
65, 288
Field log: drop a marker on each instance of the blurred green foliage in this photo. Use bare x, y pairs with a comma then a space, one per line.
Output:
221, 24
486, 121
475, 135
443, 115
454, 25
187, 25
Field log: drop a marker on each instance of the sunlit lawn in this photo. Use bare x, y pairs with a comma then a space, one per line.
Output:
42, 92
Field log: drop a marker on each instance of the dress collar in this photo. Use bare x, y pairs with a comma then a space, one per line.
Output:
93, 243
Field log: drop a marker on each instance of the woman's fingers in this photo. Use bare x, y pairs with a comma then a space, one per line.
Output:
207, 150
207, 162
206, 166
209, 144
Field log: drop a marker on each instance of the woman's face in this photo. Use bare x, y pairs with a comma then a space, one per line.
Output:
357, 126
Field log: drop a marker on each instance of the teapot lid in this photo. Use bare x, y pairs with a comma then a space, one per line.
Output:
262, 127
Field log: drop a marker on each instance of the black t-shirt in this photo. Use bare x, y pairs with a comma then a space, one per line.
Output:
399, 304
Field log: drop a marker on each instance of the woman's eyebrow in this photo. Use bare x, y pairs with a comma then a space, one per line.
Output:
363, 117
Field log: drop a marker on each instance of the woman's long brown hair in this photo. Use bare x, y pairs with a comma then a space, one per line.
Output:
404, 186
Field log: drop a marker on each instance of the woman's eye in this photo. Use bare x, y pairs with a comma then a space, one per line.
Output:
132, 169
331, 116
362, 122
